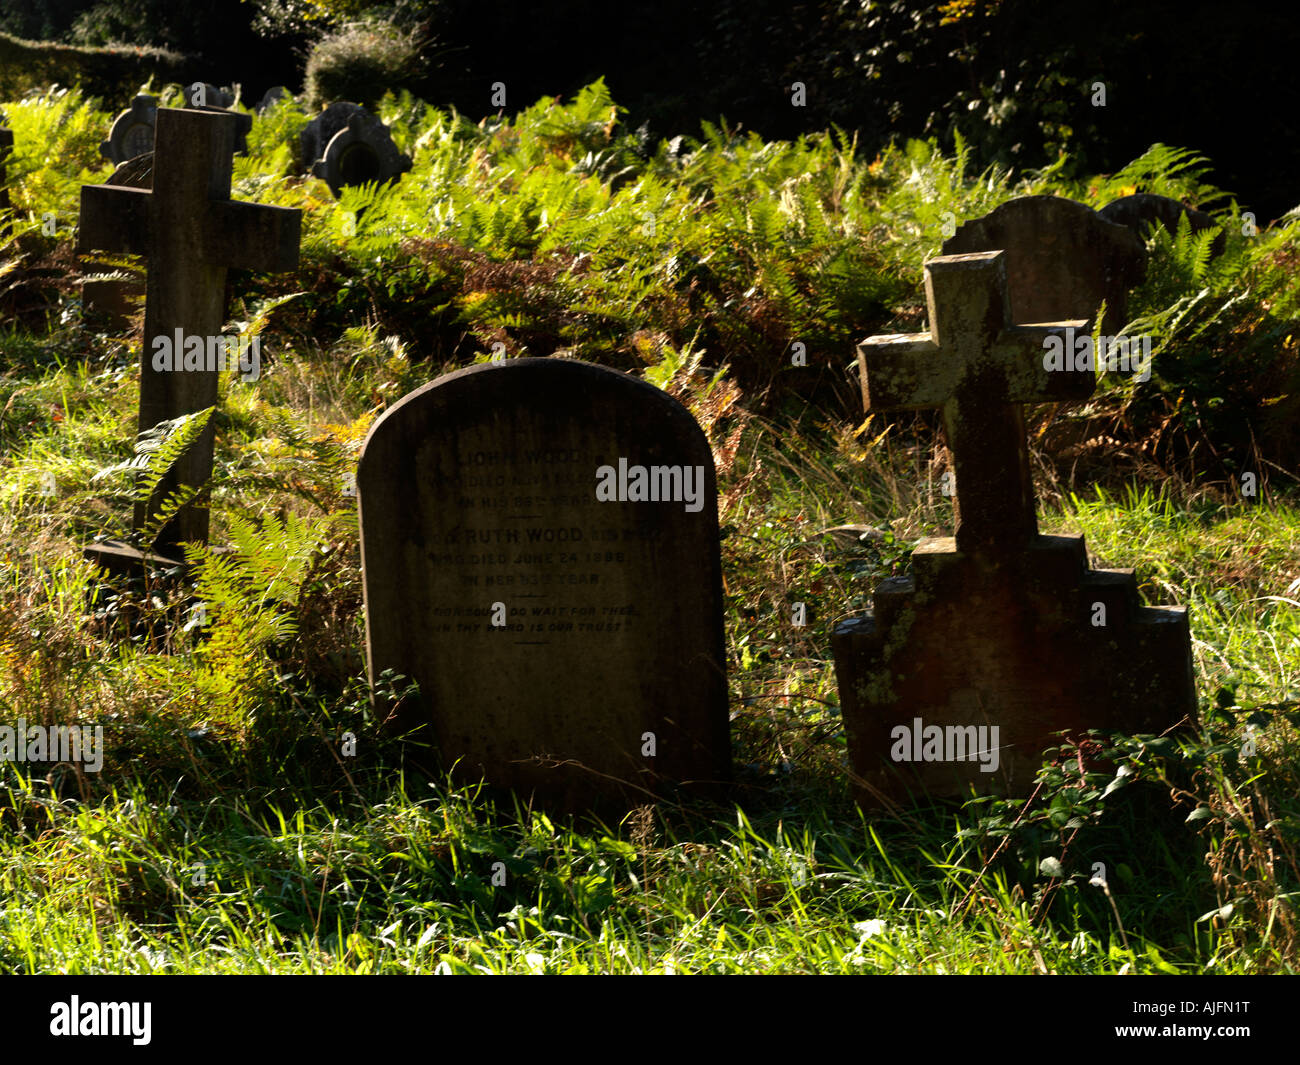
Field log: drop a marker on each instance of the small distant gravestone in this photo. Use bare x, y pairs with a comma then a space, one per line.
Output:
108, 303
1142, 211
539, 545
6, 147
204, 96
272, 96
191, 232
1001, 637
321, 129
132, 131
346, 145
1062, 259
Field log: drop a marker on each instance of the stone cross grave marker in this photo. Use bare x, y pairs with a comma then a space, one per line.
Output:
539, 544
1001, 636
1062, 259
6, 147
190, 232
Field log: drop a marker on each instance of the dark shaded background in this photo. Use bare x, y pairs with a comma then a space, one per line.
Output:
1014, 77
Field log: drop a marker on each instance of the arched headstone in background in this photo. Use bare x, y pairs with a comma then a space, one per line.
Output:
346, 145
272, 96
539, 551
205, 96
1062, 259
1143, 210
135, 173
321, 129
132, 131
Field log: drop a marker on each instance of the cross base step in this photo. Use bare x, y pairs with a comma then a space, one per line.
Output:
129, 579
120, 559
1033, 643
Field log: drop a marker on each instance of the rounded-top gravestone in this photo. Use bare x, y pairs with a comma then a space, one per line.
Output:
345, 145
539, 546
205, 96
1062, 259
271, 97
319, 131
1143, 211
132, 131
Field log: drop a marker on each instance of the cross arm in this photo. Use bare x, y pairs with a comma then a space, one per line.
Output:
252, 236
114, 219
1021, 350
904, 371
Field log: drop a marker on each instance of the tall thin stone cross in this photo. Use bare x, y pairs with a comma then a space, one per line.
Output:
191, 232
978, 368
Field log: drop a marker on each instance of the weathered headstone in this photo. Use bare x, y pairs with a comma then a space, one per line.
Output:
1062, 259
202, 96
108, 303
1001, 636
321, 129
6, 147
132, 131
539, 547
190, 232
272, 96
346, 145
1142, 211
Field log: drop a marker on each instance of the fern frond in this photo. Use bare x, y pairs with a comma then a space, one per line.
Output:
167, 508
158, 449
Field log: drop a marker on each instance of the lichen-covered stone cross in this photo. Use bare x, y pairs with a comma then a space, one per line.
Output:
1000, 639
978, 367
